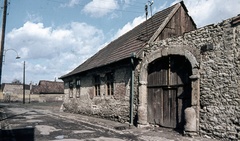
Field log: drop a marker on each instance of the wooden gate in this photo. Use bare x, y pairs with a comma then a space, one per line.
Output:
169, 91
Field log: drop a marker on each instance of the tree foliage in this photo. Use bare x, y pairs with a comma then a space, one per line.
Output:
16, 81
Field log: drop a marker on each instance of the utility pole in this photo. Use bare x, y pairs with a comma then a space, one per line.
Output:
4, 18
24, 82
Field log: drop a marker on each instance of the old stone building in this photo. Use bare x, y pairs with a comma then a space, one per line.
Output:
210, 58
165, 73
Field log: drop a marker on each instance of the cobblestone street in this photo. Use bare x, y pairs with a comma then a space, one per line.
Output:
45, 122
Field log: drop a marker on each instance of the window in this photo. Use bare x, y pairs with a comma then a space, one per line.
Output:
110, 80
70, 85
97, 85
66, 85
70, 89
78, 85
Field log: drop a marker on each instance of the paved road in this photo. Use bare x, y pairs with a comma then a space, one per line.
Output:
43, 123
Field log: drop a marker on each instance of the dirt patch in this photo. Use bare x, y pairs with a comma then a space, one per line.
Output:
45, 129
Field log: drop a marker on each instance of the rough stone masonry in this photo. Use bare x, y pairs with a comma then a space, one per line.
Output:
219, 57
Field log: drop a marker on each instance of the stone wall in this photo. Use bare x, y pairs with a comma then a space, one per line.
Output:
32, 98
114, 107
15, 89
218, 51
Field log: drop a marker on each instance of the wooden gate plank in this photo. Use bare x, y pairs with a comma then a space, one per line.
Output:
168, 87
150, 116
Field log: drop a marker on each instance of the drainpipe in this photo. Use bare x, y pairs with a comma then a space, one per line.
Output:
132, 87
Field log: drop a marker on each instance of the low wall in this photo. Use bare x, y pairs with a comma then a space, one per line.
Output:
32, 98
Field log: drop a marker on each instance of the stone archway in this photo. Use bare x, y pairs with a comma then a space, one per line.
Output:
192, 124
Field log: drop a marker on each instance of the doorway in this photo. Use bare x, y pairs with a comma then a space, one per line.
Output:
168, 91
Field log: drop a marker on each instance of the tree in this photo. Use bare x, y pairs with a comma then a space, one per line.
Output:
16, 81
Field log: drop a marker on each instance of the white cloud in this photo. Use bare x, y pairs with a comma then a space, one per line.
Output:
125, 3
206, 12
129, 26
49, 52
33, 17
71, 3
99, 8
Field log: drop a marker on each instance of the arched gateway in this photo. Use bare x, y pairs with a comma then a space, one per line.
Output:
169, 84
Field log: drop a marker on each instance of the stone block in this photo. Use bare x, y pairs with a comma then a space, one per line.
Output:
190, 118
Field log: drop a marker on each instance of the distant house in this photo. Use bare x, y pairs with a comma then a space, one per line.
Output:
108, 84
48, 87
14, 92
10, 88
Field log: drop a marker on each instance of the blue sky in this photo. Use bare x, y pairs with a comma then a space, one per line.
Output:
55, 36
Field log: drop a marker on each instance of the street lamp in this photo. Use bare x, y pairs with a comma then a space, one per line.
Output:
3, 59
5, 51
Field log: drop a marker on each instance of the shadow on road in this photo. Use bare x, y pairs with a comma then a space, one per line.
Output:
22, 134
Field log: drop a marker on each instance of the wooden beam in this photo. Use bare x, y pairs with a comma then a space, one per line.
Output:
165, 22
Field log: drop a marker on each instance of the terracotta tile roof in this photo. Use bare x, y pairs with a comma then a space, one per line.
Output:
124, 46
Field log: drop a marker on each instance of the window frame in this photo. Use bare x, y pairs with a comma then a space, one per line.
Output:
70, 89
110, 84
78, 83
78, 88
97, 82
